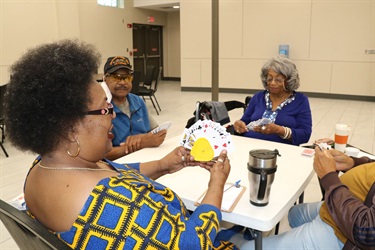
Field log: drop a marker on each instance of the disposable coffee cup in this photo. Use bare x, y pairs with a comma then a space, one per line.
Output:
341, 136
350, 151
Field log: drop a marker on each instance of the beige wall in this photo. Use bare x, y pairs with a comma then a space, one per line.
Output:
327, 38
172, 48
327, 42
25, 24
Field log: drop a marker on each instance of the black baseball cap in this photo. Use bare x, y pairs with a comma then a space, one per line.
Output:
115, 63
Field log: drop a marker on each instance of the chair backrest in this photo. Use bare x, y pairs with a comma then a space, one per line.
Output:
2, 115
2, 94
217, 111
158, 79
149, 76
247, 101
136, 81
26, 232
230, 105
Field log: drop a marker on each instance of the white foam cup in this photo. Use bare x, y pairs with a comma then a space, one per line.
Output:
350, 151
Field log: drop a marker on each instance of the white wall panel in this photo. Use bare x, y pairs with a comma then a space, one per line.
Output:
314, 76
231, 29
353, 78
270, 23
342, 30
191, 70
195, 18
243, 73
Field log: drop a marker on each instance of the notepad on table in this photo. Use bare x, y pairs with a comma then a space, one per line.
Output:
230, 198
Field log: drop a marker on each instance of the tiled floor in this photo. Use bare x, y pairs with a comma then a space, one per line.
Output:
178, 107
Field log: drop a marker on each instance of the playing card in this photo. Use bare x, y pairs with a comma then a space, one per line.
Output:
107, 91
308, 152
216, 138
165, 125
260, 122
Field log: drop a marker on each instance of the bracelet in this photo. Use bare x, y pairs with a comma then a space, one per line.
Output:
287, 133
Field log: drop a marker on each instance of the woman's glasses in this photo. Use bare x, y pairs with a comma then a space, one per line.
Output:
122, 77
104, 111
278, 80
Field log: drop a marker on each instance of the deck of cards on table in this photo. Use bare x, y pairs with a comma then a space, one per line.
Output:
206, 139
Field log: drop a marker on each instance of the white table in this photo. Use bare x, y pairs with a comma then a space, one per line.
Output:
294, 172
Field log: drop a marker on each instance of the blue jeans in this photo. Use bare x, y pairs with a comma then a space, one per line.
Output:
308, 232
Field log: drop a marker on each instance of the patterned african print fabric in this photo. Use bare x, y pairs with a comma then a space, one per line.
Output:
131, 211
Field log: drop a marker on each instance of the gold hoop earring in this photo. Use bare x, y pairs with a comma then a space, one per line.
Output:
78, 150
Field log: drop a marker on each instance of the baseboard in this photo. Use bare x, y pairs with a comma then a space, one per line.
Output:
171, 79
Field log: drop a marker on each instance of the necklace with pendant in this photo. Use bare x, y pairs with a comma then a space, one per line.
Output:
87, 169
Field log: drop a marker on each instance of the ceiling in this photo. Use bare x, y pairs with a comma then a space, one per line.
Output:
162, 7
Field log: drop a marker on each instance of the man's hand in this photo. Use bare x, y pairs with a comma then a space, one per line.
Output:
154, 140
343, 162
324, 162
132, 143
136, 142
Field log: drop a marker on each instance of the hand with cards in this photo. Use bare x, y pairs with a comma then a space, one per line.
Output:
162, 126
260, 122
206, 139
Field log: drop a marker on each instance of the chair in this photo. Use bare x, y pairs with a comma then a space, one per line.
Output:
206, 110
136, 81
27, 232
149, 76
2, 118
247, 101
150, 92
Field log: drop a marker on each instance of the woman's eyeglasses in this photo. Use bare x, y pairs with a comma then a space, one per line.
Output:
278, 80
104, 111
122, 77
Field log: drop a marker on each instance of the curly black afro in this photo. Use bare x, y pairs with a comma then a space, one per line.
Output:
48, 93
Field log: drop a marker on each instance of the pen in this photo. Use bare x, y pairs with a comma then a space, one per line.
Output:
236, 184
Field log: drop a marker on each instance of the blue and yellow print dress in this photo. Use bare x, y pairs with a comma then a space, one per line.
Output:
131, 211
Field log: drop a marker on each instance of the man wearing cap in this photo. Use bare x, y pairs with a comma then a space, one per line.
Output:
133, 123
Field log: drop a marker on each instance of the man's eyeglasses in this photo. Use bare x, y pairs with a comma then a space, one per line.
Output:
104, 111
122, 77
279, 80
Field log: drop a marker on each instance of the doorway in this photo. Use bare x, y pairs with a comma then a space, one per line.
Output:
147, 47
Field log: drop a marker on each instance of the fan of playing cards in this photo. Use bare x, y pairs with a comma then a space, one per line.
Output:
206, 139
260, 122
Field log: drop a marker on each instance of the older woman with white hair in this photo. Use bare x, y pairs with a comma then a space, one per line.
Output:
278, 113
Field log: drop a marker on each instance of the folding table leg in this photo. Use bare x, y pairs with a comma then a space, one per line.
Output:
258, 240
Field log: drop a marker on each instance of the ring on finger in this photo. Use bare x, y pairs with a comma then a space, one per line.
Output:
183, 158
263, 127
220, 160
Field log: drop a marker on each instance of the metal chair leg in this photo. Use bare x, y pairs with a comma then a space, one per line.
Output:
154, 105
5, 152
156, 102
